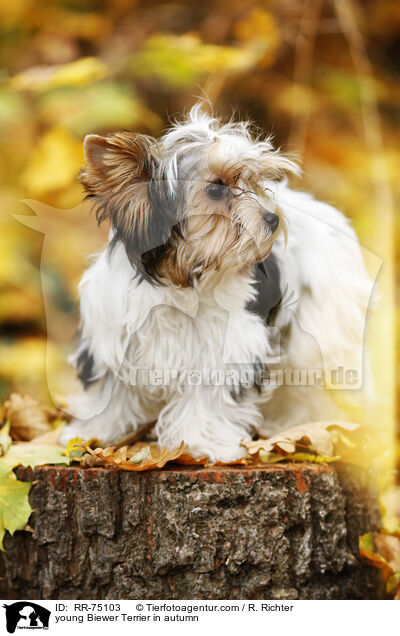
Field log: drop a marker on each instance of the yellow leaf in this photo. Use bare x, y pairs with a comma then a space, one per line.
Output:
15, 509
76, 446
260, 27
106, 105
24, 360
366, 542
14, 505
84, 71
71, 450
179, 60
273, 458
393, 583
54, 163
33, 454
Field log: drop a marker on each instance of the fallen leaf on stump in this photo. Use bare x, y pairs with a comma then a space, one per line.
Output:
33, 454
76, 446
140, 456
316, 436
274, 458
15, 509
187, 460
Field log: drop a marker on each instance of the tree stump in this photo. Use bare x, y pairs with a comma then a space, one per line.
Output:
277, 532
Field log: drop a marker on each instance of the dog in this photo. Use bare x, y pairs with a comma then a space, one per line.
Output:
216, 278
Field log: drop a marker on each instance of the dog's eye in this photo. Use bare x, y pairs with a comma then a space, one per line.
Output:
216, 191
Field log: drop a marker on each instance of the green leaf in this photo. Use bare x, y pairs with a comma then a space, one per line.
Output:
366, 542
14, 504
181, 60
85, 70
393, 582
104, 105
31, 454
15, 508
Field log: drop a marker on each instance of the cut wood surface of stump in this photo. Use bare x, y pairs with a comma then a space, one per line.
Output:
275, 532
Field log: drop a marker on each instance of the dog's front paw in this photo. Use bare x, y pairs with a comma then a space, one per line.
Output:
214, 450
212, 429
79, 428
224, 453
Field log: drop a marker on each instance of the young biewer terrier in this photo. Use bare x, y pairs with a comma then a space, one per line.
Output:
217, 279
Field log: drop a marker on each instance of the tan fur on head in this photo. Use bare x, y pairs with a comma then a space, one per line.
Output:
229, 233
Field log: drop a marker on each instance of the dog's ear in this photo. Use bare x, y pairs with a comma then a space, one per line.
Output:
122, 176
115, 161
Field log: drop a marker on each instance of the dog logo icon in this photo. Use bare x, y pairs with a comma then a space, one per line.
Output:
26, 615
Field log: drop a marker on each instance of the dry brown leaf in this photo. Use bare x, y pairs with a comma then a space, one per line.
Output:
90, 461
368, 552
188, 460
143, 456
28, 418
382, 550
389, 547
315, 435
135, 457
120, 455
237, 462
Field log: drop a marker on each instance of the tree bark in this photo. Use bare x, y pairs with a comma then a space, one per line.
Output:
276, 532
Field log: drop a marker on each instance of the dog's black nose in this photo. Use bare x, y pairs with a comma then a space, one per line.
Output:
272, 220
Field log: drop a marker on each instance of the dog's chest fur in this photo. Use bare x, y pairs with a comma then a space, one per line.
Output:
165, 327
193, 329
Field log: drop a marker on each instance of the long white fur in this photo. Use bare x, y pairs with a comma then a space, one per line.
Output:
129, 323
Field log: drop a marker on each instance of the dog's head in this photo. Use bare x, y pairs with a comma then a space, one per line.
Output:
193, 203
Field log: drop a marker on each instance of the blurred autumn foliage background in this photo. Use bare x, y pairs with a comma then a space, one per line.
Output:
321, 75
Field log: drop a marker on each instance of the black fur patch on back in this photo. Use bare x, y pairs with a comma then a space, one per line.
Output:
266, 304
254, 380
84, 366
269, 293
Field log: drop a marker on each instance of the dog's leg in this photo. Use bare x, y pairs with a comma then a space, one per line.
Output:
108, 412
210, 421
